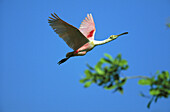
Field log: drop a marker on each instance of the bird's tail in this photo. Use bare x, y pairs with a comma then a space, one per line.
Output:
63, 60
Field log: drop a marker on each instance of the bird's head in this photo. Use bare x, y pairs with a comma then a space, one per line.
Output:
113, 37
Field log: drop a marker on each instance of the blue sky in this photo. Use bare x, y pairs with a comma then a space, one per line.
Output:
31, 80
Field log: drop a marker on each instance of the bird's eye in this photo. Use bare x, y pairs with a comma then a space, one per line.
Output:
112, 36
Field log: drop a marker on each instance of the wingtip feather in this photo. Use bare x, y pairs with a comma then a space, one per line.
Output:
51, 18
91, 18
88, 16
54, 16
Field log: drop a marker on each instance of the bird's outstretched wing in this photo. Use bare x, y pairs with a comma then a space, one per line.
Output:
70, 34
87, 27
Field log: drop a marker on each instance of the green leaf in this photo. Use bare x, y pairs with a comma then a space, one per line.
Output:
106, 79
166, 84
157, 72
125, 67
88, 73
154, 92
119, 57
83, 80
168, 92
91, 68
123, 63
99, 65
110, 88
156, 99
122, 82
144, 82
163, 76
104, 60
120, 89
109, 56
87, 84
98, 68
101, 83
106, 69
168, 24
149, 104
157, 82
116, 62
166, 74
142, 94
99, 71
152, 79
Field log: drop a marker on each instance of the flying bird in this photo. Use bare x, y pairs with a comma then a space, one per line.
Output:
80, 40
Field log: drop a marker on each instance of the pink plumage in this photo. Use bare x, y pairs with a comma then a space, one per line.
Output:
87, 27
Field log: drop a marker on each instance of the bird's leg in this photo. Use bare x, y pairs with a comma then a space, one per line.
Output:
76, 53
71, 54
80, 53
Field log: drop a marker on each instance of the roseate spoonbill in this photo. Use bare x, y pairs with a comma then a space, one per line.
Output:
80, 40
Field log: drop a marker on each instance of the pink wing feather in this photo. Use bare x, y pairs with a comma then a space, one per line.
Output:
87, 27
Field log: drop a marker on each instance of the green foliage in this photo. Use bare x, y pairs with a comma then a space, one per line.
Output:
168, 25
106, 73
159, 86
87, 84
144, 82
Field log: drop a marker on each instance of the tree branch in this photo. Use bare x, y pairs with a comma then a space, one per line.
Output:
136, 77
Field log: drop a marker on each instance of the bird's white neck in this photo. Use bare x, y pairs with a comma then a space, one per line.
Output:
112, 37
105, 41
